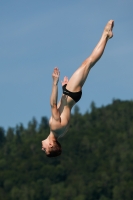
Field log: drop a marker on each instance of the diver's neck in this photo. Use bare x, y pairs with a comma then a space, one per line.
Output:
52, 136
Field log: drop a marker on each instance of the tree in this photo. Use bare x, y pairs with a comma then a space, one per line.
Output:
2, 136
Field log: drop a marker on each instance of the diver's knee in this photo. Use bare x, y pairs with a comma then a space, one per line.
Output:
87, 63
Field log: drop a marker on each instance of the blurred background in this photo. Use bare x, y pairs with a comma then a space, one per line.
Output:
36, 36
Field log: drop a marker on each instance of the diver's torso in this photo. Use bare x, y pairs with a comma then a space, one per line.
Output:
60, 127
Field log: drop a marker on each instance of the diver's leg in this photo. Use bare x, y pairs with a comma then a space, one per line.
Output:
78, 78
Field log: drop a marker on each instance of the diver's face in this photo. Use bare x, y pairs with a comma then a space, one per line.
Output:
45, 145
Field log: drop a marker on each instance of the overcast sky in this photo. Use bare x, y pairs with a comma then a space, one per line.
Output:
36, 36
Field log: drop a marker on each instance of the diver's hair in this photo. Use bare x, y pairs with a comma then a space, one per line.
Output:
55, 150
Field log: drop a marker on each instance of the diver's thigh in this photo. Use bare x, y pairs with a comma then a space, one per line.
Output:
77, 79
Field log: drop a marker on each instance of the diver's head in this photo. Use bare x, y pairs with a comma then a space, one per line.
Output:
51, 148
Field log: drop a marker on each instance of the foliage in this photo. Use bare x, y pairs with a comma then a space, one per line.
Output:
96, 163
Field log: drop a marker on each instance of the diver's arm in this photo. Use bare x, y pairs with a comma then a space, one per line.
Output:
54, 95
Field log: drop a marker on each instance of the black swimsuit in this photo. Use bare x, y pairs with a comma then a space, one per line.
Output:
74, 95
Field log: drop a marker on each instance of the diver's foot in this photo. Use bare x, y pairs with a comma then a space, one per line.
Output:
108, 29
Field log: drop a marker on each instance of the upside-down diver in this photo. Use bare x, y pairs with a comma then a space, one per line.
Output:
72, 92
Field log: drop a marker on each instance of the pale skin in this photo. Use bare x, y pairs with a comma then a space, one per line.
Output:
61, 112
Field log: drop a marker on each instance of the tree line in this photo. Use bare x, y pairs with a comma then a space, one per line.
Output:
96, 162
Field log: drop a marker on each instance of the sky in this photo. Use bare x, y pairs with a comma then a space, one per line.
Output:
36, 36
